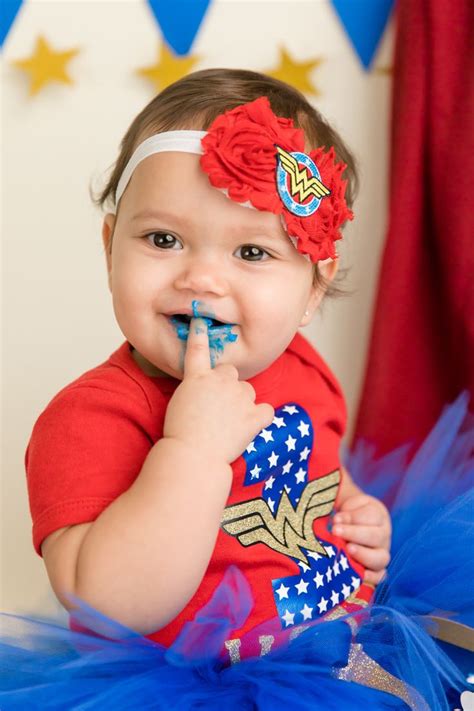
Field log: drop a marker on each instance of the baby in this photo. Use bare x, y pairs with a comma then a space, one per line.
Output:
211, 437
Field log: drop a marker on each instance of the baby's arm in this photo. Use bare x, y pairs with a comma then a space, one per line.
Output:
143, 558
365, 523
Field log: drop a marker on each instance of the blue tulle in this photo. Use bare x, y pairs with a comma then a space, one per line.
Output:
419, 484
382, 657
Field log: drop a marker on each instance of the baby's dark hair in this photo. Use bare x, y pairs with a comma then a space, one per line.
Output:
196, 100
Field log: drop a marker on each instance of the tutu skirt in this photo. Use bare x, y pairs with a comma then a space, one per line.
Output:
409, 649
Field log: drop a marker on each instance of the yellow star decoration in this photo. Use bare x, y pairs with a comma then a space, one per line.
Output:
296, 73
169, 68
45, 65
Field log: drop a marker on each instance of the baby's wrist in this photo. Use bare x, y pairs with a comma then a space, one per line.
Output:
195, 451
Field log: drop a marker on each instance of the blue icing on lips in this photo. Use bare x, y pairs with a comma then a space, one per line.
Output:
219, 336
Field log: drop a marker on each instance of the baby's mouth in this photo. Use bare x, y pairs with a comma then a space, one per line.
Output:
219, 332
213, 323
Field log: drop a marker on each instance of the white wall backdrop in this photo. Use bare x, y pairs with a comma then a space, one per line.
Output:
57, 316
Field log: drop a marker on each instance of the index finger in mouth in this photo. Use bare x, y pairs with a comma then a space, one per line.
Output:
197, 358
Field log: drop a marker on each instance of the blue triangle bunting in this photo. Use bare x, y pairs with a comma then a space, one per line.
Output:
179, 21
8, 12
364, 22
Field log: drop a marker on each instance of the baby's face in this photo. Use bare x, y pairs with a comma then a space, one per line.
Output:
178, 240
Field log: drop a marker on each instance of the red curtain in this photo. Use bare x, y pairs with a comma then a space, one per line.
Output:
421, 354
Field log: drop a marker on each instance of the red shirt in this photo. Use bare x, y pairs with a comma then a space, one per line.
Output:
89, 445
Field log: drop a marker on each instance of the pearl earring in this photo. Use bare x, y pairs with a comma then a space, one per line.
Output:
306, 313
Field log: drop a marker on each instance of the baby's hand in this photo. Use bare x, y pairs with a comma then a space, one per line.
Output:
365, 523
211, 410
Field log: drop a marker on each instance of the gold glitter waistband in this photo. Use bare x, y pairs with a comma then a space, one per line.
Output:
367, 672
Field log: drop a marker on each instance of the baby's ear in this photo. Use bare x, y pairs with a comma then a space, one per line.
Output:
327, 270
107, 237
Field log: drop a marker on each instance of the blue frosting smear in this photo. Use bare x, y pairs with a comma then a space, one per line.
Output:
219, 336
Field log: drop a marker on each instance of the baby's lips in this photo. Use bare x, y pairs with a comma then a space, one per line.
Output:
181, 319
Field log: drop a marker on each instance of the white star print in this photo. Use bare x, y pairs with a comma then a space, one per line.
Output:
304, 454
303, 428
287, 489
314, 556
343, 562
290, 443
303, 566
334, 598
271, 505
329, 574
302, 587
290, 409
282, 591
355, 583
255, 472
251, 447
307, 612
279, 422
323, 605
288, 617
300, 475
273, 459
287, 467
269, 483
267, 435
330, 551
319, 580
346, 591
335, 568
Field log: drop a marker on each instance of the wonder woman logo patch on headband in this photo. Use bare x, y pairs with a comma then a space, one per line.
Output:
295, 186
258, 157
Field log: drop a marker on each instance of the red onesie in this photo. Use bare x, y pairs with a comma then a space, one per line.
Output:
89, 444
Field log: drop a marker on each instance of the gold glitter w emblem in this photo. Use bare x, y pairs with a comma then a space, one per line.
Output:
301, 184
289, 529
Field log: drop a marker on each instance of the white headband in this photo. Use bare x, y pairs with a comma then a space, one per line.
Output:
182, 141
166, 142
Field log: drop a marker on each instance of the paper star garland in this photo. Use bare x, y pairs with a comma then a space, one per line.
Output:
168, 69
46, 65
296, 73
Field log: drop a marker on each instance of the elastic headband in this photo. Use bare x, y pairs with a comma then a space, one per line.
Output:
166, 142
258, 160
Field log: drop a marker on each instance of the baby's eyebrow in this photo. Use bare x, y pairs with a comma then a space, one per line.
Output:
155, 215
269, 232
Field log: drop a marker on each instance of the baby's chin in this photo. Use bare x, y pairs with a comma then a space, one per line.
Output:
246, 370
150, 369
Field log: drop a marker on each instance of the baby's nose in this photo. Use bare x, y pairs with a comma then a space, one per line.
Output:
202, 276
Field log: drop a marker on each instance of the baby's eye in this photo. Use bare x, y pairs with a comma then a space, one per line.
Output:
251, 253
164, 240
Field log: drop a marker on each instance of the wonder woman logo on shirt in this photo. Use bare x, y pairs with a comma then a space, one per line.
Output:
290, 529
282, 519
282, 516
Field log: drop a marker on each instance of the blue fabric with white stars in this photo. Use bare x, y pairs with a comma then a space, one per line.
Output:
278, 457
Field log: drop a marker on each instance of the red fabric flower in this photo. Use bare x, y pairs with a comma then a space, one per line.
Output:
240, 156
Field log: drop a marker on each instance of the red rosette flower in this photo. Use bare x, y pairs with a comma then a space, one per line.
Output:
240, 157
317, 233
